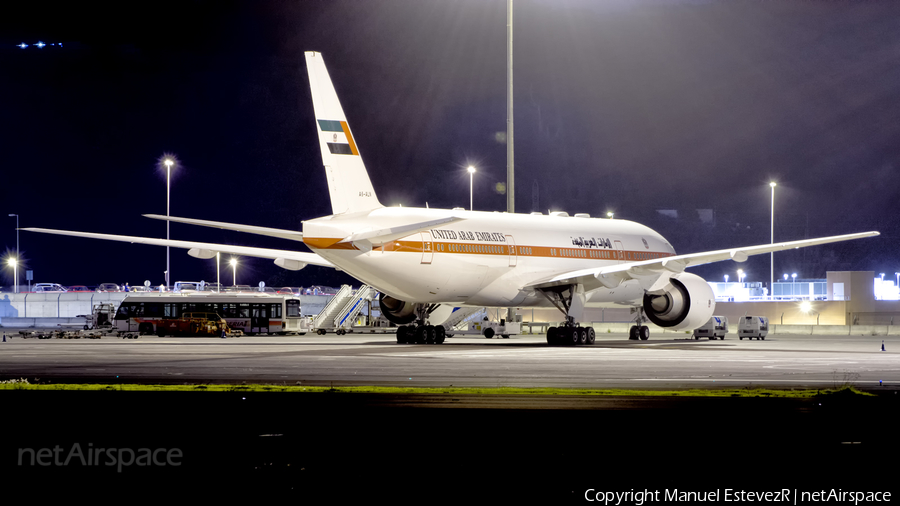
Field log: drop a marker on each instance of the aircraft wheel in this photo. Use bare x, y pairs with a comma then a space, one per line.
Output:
551, 335
489, 333
430, 334
591, 335
440, 333
420, 334
582, 335
570, 336
401, 335
633, 333
644, 332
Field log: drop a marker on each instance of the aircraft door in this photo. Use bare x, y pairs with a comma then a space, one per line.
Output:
427, 245
620, 251
511, 246
259, 318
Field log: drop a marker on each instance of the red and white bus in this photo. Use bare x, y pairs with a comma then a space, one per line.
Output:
251, 313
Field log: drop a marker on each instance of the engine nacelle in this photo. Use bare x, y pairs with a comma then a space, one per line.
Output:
397, 311
688, 302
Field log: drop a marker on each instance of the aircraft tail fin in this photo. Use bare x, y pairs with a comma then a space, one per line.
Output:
348, 182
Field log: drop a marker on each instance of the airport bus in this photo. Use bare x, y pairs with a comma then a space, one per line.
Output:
258, 313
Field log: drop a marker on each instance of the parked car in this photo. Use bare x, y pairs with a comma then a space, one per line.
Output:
286, 290
214, 287
79, 288
108, 287
186, 286
48, 287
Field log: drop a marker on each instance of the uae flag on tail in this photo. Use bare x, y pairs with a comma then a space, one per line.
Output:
337, 136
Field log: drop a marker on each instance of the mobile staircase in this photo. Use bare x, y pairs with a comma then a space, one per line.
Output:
462, 317
340, 312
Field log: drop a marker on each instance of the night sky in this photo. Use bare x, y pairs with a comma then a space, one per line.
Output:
626, 106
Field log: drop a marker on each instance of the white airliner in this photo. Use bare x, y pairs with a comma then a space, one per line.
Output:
425, 262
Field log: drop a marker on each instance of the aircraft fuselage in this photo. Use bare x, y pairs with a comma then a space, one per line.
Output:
485, 258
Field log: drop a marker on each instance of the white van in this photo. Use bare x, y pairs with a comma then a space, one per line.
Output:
753, 326
714, 328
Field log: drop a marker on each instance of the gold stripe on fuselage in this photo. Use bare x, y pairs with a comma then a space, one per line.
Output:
492, 249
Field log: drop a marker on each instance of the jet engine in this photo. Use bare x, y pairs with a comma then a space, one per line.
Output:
687, 302
398, 311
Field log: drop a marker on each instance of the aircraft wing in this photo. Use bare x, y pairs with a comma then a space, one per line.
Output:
654, 274
291, 260
272, 232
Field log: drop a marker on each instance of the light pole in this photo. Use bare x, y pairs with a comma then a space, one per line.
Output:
610, 214
168, 162
793, 284
772, 254
726, 278
218, 281
881, 286
15, 265
471, 182
233, 263
17, 244
740, 273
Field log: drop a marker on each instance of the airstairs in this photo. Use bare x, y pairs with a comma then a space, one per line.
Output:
325, 319
355, 303
460, 319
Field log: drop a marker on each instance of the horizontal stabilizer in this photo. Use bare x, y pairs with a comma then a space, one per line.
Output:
202, 248
271, 232
384, 235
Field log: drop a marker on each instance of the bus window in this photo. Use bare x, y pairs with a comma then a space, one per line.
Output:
275, 310
244, 310
293, 308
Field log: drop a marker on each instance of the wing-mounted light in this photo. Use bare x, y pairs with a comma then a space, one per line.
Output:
205, 254
291, 265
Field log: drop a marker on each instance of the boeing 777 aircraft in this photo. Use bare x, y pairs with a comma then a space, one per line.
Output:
425, 262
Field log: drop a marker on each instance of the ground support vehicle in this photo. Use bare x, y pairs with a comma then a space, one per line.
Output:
753, 326
489, 329
250, 313
714, 328
192, 324
101, 317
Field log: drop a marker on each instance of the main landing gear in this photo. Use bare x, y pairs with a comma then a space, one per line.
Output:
639, 330
420, 333
569, 334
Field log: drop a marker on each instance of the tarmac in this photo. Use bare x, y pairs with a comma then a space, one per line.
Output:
414, 448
